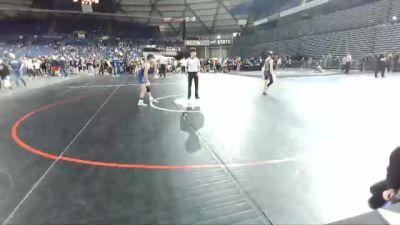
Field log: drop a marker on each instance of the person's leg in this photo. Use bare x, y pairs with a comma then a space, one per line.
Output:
22, 79
16, 77
162, 74
271, 79
8, 82
66, 73
190, 80
377, 201
142, 94
151, 99
376, 72
383, 72
196, 86
266, 81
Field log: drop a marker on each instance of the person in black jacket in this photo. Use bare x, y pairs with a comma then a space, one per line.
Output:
4, 72
380, 65
385, 190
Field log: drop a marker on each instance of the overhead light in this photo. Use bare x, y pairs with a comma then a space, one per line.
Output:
219, 37
394, 18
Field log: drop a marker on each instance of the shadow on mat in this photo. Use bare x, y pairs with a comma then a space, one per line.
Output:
191, 123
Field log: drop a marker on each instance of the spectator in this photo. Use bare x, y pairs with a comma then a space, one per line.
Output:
63, 70
348, 61
16, 69
183, 65
4, 75
309, 63
303, 63
279, 63
380, 65
386, 190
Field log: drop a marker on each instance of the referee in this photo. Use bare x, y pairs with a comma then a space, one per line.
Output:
193, 68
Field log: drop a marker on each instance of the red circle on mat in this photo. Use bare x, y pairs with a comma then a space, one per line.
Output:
43, 153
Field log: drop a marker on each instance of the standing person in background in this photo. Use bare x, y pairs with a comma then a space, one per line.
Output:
89, 65
389, 62
268, 72
183, 65
163, 66
63, 71
279, 63
348, 63
175, 65
380, 65
4, 75
396, 60
55, 65
238, 65
43, 66
27, 66
16, 70
309, 63
193, 66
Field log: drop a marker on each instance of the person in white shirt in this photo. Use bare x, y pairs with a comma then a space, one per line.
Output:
36, 67
348, 60
163, 66
193, 68
279, 63
28, 67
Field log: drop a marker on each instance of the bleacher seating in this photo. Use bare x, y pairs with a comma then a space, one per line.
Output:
361, 16
387, 38
347, 31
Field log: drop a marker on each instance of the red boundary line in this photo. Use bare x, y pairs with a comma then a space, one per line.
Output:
44, 154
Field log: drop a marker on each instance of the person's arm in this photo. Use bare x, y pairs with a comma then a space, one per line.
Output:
198, 66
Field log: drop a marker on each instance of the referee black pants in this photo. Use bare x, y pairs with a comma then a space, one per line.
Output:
163, 70
192, 76
348, 67
381, 69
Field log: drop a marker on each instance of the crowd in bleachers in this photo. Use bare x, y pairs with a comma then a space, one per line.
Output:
63, 60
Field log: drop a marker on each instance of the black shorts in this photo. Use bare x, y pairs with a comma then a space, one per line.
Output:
268, 75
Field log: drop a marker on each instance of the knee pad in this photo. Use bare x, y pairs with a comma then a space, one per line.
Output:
148, 88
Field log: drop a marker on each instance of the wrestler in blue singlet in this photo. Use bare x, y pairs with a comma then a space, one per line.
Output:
140, 76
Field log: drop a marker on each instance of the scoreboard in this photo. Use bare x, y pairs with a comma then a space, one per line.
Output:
87, 5
87, 2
